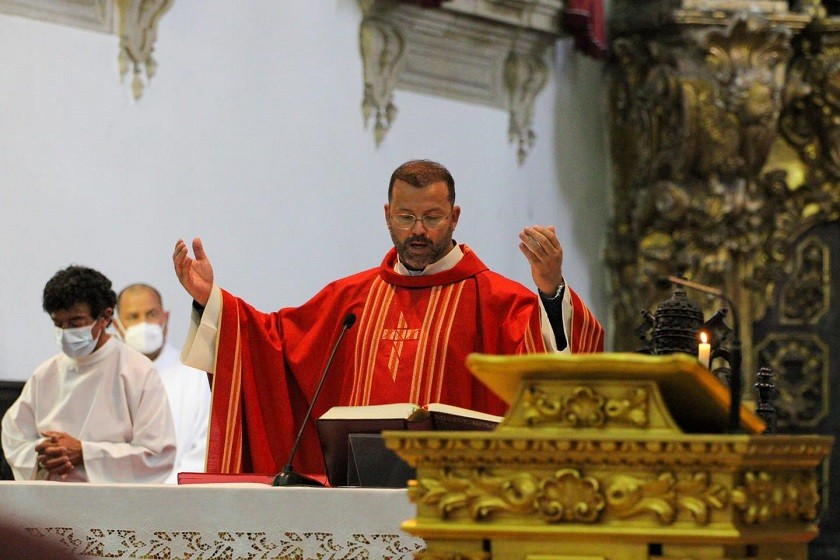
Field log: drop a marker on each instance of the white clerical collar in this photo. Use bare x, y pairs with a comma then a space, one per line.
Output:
449, 260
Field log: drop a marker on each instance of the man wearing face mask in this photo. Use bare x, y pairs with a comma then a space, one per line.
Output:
97, 411
142, 324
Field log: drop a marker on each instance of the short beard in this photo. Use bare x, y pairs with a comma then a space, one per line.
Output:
438, 251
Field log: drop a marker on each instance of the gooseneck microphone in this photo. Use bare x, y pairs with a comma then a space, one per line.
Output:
288, 477
735, 354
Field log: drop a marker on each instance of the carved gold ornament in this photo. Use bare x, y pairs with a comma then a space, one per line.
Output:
765, 497
585, 407
564, 496
665, 496
568, 496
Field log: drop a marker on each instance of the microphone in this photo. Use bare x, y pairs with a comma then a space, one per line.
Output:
288, 477
735, 354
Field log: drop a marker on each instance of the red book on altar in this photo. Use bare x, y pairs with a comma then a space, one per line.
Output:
217, 478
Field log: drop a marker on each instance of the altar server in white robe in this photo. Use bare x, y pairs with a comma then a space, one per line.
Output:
142, 323
97, 411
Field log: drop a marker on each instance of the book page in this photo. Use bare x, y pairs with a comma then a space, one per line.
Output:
369, 412
459, 411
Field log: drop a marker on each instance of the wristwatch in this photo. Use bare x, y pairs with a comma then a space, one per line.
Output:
557, 294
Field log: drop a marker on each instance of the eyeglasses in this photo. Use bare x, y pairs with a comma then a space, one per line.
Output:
407, 221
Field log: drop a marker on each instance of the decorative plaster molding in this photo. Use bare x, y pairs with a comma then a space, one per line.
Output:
133, 21
138, 32
539, 15
91, 15
382, 49
490, 52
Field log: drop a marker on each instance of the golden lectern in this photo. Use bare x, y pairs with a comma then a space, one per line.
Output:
611, 457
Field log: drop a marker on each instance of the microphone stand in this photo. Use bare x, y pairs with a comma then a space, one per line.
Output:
735, 381
288, 477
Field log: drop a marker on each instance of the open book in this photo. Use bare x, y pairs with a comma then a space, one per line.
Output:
337, 424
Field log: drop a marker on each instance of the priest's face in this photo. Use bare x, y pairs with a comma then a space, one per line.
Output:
421, 221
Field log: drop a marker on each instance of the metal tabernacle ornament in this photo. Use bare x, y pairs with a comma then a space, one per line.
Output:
675, 328
674, 314
676, 318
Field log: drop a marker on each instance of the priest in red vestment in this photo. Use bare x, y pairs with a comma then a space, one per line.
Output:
428, 305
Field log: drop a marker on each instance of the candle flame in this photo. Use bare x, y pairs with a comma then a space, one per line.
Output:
704, 338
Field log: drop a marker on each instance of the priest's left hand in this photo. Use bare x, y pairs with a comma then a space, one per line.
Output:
541, 247
59, 453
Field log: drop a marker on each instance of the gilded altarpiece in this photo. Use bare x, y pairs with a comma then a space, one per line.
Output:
611, 456
725, 130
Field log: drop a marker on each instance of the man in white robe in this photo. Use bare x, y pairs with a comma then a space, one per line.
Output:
142, 323
97, 411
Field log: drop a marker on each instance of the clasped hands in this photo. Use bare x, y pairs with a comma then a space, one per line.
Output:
59, 453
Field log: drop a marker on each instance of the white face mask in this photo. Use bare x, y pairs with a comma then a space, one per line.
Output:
146, 338
77, 342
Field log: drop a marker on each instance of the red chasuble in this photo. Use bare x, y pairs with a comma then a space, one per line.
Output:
409, 344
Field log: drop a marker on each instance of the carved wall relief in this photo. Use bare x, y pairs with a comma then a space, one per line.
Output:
133, 21
803, 390
715, 148
695, 117
491, 52
805, 299
726, 142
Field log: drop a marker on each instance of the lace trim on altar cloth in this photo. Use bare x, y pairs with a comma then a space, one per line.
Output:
172, 545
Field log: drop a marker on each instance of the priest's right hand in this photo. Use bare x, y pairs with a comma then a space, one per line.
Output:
196, 275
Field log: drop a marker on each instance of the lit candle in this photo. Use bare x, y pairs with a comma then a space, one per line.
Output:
704, 350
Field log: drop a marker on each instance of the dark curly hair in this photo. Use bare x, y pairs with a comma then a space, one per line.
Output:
79, 284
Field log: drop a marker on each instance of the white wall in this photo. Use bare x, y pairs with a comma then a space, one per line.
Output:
251, 137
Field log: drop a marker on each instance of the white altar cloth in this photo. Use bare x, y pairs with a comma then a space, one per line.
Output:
211, 521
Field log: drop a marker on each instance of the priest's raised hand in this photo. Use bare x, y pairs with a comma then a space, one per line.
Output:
541, 247
196, 275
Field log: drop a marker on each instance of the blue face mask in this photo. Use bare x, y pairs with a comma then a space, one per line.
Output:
76, 342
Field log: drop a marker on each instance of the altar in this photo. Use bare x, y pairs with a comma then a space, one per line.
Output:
211, 521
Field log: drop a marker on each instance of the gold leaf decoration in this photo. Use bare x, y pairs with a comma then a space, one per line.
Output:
584, 407
666, 496
568, 496
766, 496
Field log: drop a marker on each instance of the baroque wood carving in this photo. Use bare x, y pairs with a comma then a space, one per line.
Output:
546, 485
726, 145
725, 133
